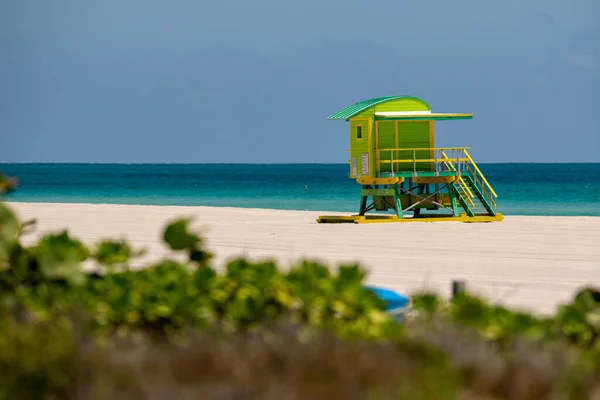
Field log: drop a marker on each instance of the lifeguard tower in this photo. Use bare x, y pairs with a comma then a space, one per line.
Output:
399, 169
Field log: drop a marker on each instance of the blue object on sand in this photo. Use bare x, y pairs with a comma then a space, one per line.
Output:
393, 300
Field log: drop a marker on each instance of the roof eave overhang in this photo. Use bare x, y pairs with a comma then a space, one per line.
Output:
422, 117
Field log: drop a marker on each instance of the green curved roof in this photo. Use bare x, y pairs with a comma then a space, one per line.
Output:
356, 108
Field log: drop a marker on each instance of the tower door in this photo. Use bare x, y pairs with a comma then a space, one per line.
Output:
360, 148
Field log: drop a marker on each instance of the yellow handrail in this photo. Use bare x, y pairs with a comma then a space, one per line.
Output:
422, 160
484, 189
461, 181
480, 173
451, 166
447, 161
424, 148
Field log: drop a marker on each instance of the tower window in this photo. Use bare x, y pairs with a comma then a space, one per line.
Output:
359, 132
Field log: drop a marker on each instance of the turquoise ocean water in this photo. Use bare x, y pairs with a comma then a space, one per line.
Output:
523, 189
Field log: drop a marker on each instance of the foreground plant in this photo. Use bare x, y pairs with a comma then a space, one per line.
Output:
7, 184
308, 332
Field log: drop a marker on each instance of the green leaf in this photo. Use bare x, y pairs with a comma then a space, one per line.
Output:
351, 275
9, 225
9, 234
200, 256
426, 302
60, 257
587, 299
111, 252
27, 226
593, 320
178, 237
203, 277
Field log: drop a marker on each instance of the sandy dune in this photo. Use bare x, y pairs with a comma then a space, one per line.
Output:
533, 263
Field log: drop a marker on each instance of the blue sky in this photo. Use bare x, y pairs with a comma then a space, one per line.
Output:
238, 81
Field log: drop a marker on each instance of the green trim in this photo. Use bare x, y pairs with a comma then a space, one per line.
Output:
422, 118
357, 108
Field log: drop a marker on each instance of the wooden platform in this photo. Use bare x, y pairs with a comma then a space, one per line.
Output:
378, 218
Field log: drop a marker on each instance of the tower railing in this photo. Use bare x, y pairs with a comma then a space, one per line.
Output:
435, 160
421, 159
480, 180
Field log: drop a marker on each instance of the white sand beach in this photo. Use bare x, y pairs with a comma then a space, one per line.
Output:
534, 263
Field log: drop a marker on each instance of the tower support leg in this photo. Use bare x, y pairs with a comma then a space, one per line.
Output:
363, 205
397, 201
452, 194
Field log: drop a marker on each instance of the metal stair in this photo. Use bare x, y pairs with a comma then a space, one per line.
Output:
479, 205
